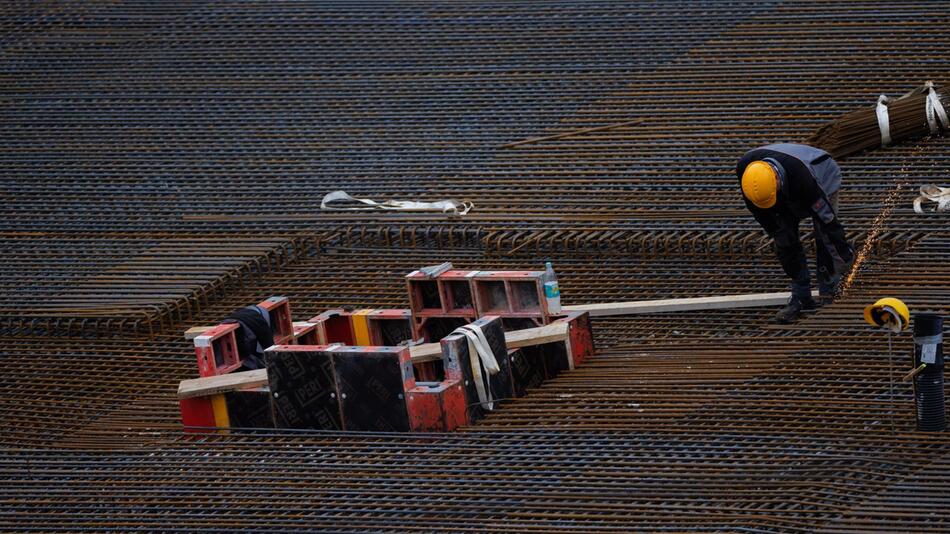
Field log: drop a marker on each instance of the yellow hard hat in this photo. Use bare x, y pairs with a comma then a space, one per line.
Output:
888, 313
760, 184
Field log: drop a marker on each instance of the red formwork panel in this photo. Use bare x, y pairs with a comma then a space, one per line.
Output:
393, 327
425, 407
455, 287
437, 406
580, 336
333, 326
454, 399
441, 406
217, 351
453, 406
441, 304
389, 326
280, 319
306, 333
511, 294
216, 348
196, 412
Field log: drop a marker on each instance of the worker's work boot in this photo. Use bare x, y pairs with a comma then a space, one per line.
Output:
793, 310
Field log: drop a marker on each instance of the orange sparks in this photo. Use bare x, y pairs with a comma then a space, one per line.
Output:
878, 226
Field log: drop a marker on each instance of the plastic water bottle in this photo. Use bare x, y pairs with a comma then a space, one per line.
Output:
552, 293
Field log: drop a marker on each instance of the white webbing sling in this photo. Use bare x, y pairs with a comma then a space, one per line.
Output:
933, 109
482, 359
450, 207
933, 193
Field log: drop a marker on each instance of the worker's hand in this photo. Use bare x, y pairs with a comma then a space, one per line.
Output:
847, 258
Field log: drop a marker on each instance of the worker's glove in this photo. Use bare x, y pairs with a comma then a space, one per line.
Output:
844, 253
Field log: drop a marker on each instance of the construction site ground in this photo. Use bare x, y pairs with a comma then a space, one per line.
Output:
163, 164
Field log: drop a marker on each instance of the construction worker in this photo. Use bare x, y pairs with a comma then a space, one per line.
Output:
783, 184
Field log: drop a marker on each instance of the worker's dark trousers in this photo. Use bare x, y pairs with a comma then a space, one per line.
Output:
791, 254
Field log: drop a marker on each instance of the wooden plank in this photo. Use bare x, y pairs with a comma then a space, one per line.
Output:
196, 331
536, 336
753, 300
518, 338
427, 352
209, 385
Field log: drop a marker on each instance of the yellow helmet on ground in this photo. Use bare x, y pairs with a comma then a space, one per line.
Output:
888, 313
760, 184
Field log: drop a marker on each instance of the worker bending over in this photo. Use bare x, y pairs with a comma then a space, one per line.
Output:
783, 184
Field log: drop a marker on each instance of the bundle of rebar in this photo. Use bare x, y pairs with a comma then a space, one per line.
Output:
914, 115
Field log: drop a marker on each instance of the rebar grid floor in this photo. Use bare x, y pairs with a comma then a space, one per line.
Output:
139, 135
681, 425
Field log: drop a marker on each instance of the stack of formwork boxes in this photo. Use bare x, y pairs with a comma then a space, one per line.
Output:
375, 388
442, 303
217, 353
217, 350
358, 349
385, 327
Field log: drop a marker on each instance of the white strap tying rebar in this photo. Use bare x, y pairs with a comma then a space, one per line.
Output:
934, 110
883, 122
445, 206
482, 358
933, 193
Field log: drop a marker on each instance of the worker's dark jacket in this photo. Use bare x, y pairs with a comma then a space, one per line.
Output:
810, 183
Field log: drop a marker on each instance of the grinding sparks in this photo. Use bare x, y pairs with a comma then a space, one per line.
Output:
876, 228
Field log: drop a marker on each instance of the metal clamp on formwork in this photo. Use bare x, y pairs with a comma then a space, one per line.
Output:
483, 359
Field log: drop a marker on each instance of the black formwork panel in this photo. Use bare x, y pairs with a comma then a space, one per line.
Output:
371, 381
526, 372
250, 408
339, 387
303, 389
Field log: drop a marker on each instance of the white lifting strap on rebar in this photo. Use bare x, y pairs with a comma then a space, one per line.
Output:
883, 122
934, 110
482, 358
450, 207
933, 193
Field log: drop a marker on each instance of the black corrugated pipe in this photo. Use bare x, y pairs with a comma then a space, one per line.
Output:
928, 384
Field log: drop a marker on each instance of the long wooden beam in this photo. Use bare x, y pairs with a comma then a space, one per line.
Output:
722, 302
427, 352
753, 300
